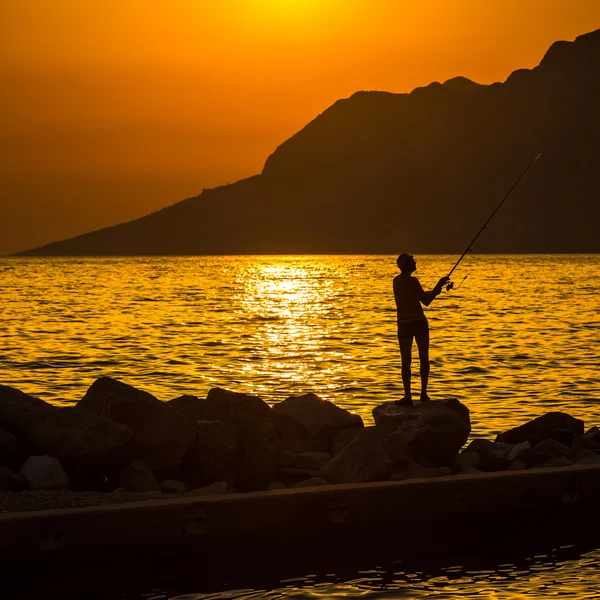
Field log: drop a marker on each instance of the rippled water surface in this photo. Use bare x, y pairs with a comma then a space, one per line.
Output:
518, 338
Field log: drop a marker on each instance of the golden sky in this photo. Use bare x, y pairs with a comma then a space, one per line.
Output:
112, 109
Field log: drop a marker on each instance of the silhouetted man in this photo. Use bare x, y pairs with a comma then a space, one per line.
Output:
412, 322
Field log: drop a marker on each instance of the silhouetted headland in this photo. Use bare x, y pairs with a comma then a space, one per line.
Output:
379, 170
126, 443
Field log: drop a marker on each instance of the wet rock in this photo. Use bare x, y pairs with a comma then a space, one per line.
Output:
362, 460
558, 426
137, 477
161, 438
258, 453
312, 482
11, 481
9, 449
433, 430
214, 457
416, 471
172, 486
467, 461
44, 473
223, 404
189, 408
277, 485
553, 449
310, 460
84, 443
512, 455
322, 419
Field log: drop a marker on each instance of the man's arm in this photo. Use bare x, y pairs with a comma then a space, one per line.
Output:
428, 297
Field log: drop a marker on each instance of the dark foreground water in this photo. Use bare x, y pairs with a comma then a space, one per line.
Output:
563, 572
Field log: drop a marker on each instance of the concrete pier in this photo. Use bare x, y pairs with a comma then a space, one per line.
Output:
427, 516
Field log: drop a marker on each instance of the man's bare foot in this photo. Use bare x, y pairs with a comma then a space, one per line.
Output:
424, 397
406, 401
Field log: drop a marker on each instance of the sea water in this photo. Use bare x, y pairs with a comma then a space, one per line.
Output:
518, 338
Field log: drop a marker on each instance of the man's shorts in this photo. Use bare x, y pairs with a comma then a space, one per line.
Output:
412, 328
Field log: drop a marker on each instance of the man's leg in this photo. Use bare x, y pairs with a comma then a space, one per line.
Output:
406, 356
423, 347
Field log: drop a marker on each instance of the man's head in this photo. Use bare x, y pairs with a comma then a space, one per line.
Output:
406, 263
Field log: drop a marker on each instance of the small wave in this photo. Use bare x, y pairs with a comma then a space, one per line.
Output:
471, 370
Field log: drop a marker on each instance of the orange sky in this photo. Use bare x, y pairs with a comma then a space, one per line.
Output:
110, 110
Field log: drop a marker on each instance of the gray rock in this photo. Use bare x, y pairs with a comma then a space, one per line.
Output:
310, 460
588, 460
322, 419
172, 486
312, 482
593, 433
292, 435
485, 447
434, 431
189, 408
512, 455
561, 461
258, 453
416, 471
11, 481
553, 449
137, 477
492, 457
44, 473
84, 443
214, 457
467, 461
277, 485
161, 437
290, 476
532, 456
362, 460
9, 448
345, 436
517, 465
218, 488
555, 425
223, 404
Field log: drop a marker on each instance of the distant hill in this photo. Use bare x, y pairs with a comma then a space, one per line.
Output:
418, 172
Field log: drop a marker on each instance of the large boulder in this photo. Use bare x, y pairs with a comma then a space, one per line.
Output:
215, 454
362, 460
83, 442
189, 408
11, 481
44, 473
137, 477
558, 426
161, 438
321, 418
9, 449
223, 404
431, 431
258, 452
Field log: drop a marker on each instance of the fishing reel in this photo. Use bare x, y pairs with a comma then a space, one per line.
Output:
450, 284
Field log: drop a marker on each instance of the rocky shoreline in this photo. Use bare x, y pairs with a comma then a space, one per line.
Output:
120, 444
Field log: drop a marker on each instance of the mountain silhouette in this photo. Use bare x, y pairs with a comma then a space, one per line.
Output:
420, 172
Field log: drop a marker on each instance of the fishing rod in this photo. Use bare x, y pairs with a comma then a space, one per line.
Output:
450, 285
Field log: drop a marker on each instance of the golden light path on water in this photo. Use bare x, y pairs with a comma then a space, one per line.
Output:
519, 338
